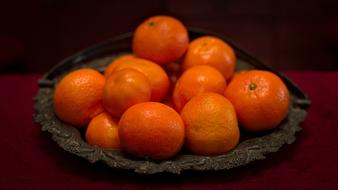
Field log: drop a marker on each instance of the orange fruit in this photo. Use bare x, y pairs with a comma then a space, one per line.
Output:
211, 124
78, 96
151, 129
161, 39
212, 51
260, 98
103, 131
159, 81
123, 89
111, 67
198, 79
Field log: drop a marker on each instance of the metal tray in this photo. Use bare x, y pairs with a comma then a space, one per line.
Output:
252, 146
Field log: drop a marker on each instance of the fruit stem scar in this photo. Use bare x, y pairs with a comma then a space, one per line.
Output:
151, 23
252, 86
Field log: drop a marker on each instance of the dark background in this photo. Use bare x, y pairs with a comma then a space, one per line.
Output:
287, 34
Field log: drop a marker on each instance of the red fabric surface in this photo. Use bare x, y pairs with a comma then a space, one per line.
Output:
31, 160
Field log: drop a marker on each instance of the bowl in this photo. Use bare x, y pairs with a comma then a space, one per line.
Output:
252, 146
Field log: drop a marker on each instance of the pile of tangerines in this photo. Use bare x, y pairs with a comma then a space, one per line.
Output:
171, 92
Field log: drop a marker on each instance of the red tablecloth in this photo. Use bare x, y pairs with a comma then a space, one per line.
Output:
31, 160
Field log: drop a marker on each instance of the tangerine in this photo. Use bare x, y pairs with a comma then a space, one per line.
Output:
161, 39
123, 89
260, 98
78, 96
151, 129
211, 124
103, 131
212, 51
